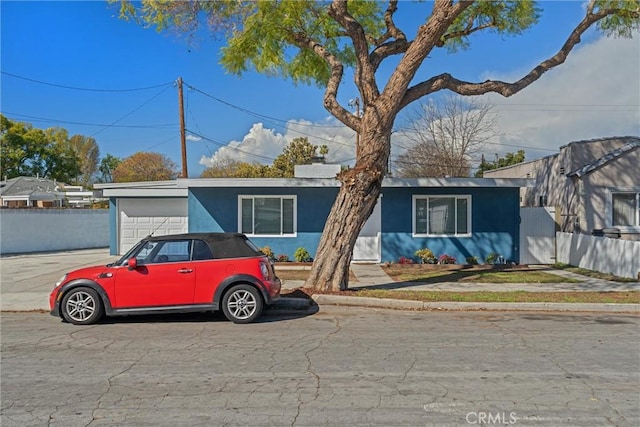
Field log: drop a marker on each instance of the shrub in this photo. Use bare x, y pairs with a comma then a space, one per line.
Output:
426, 256
268, 252
283, 258
446, 259
472, 260
301, 255
405, 260
491, 258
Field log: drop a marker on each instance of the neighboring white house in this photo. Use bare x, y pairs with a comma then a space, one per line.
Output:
35, 192
594, 185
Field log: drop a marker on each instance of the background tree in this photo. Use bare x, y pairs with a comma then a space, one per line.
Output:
144, 166
88, 153
508, 160
444, 136
309, 41
27, 151
108, 164
299, 152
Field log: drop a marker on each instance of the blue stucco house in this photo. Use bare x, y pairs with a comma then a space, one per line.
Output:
460, 217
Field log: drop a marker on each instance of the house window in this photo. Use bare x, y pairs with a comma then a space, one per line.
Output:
442, 215
267, 215
626, 209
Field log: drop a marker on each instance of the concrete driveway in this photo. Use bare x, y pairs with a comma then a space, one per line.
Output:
26, 280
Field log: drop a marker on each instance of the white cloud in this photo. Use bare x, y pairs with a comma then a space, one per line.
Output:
263, 145
594, 94
193, 138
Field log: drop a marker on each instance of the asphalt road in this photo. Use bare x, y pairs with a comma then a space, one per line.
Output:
336, 367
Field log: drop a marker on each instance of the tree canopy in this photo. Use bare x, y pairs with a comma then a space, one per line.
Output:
28, 151
298, 152
144, 166
314, 42
508, 160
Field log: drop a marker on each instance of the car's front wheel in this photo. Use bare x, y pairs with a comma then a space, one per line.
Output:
242, 304
81, 306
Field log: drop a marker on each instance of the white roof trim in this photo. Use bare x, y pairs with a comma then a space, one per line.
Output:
179, 188
141, 184
258, 182
145, 192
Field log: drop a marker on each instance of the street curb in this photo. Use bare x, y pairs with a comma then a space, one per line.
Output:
321, 299
290, 303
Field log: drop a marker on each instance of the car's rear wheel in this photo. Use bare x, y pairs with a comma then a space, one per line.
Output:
242, 304
82, 306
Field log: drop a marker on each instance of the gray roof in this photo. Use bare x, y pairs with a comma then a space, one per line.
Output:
590, 167
35, 188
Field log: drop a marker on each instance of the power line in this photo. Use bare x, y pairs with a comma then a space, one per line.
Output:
84, 88
132, 111
50, 120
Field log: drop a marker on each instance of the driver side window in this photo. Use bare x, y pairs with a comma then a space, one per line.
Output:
164, 252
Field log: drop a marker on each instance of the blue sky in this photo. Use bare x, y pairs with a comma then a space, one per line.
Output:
82, 44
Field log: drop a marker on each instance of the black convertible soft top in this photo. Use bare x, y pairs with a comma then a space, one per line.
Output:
222, 245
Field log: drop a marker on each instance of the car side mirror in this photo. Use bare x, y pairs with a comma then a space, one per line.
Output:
132, 263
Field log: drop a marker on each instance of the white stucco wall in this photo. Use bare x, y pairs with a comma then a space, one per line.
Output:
41, 230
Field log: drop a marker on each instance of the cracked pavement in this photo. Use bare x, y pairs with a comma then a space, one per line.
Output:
339, 366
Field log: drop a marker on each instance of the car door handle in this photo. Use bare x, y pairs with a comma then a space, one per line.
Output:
185, 270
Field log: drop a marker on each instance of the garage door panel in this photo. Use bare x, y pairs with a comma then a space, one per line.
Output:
141, 217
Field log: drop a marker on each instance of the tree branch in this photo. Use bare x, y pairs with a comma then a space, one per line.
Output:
446, 81
364, 73
337, 70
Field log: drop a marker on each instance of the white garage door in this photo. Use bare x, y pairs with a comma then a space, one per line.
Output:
142, 217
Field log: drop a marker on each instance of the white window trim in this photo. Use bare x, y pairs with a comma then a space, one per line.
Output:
269, 196
609, 209
428, 196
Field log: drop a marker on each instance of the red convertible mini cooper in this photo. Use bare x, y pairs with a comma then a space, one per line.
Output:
172, 274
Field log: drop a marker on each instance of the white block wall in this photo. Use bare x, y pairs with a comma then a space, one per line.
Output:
41, 230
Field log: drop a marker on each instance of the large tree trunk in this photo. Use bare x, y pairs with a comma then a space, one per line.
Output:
355, 202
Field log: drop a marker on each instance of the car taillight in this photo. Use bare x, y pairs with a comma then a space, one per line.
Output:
264, 269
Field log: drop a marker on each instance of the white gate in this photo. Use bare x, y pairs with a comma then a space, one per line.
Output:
367, 247
537, 236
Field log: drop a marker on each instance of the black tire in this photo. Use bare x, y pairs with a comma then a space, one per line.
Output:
242, 304
82, 306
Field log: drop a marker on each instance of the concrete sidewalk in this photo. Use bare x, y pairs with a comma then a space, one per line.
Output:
26, 281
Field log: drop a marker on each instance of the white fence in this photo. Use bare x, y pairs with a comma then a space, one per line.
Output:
41, 230
604, 254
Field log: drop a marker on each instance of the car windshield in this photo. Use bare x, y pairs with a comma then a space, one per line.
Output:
123, 260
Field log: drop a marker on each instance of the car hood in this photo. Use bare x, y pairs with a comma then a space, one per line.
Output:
92, 272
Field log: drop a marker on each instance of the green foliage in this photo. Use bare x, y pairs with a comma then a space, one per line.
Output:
509, 159
108, 164
426, 256
27, 151
299, 152
301, 255
472, 260
624, 22
491, 258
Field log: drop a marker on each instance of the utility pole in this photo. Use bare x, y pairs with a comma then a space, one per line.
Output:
183, 138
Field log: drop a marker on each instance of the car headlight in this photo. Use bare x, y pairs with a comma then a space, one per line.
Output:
59, 282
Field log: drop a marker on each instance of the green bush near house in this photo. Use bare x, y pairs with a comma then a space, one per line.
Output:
302, 255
